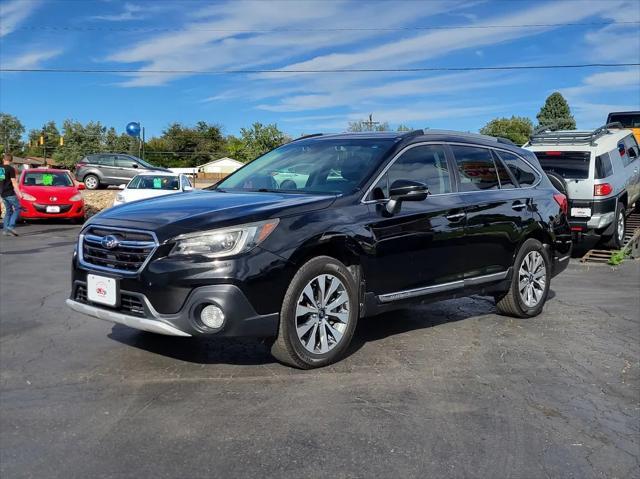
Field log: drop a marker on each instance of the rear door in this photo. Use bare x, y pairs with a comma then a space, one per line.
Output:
107, 166
497, 213
631, 161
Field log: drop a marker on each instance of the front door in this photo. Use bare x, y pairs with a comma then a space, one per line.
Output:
421, 245
497, 212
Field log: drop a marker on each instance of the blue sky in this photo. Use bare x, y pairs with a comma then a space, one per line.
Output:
308, 34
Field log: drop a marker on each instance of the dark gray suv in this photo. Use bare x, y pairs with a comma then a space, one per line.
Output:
104, 169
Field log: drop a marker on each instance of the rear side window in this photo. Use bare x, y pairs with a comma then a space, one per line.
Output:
476, 168
572, 165
603, 167
426, 164
631, 149
523, 173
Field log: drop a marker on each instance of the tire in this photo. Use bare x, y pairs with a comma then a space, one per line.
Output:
310, 336
92, 182
525, 268
616, 240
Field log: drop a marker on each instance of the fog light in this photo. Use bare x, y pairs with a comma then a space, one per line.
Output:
212, 316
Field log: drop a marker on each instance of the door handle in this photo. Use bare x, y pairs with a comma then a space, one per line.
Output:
456, 216
518, 206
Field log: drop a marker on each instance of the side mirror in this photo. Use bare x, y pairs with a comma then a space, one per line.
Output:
81, 186
134, 165
405, 190
122, 187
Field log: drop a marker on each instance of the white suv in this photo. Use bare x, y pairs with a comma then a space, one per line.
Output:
598, 171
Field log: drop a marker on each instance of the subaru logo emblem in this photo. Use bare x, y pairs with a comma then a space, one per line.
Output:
110, 242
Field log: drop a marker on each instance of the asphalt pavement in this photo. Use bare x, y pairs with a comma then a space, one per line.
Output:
444, 390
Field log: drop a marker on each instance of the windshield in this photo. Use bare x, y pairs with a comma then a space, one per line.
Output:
154, 182
572, 165
49, 178
312, 166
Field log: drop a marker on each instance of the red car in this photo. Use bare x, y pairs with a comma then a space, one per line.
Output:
49, 193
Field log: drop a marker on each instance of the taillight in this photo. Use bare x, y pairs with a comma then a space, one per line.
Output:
562, 202
602, 190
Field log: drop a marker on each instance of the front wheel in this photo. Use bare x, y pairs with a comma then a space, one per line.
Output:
318, 316
530, 283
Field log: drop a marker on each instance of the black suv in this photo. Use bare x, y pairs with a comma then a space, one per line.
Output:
382, 219
104, 169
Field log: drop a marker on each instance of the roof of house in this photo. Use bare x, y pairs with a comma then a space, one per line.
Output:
218, 160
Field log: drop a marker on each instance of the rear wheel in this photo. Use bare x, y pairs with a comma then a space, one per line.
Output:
616, 240
319, 315
530, 283
92, 182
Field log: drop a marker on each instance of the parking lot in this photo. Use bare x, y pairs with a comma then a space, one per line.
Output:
444, 390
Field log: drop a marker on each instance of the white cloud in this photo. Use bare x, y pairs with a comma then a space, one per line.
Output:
618, 80
13, 13
592, 115
130, 12
30, 59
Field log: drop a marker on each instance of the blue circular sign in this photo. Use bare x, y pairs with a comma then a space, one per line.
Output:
133, 129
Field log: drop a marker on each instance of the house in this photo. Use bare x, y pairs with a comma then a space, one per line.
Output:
223, 166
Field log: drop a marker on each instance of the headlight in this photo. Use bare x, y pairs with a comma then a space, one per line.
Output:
28, 197
119, 198
76, 197
225, 241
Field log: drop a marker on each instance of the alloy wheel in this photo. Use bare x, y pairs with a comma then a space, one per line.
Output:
322, 314
620, 228
532, 278
91, 183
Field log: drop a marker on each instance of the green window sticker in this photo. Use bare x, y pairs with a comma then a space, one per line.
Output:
47, 179
2, 177
157, 182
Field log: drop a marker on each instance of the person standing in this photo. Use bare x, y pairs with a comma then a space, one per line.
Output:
10, 193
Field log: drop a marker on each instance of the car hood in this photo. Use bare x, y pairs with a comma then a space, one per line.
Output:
171, 215
46, 193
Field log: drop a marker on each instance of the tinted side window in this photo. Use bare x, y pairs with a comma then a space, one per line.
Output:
521, 171
106, 160
503, 174
426, 164
124, 162
476, 168
631, 145
603, 166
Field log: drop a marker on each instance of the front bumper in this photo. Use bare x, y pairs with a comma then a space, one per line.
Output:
137, 312
70, 210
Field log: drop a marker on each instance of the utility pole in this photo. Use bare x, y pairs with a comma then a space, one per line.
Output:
370, 124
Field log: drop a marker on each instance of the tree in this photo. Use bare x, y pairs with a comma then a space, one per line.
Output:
51, 136
11, 130
256, 141
362, 125
402, 127
555, 114
517, 128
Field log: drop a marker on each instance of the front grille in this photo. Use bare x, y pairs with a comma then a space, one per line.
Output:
43, 208
129, 304
117, 250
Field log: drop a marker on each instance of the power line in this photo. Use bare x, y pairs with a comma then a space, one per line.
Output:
64, 29
337, 70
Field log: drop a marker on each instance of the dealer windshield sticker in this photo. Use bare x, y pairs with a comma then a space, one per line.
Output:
157, 182
47, 179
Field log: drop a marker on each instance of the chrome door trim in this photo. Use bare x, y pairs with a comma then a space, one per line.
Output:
437, 288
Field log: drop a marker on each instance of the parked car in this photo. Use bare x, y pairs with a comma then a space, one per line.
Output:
384, 219
628, 119
150, 185
599, 172
104, 169
50, 193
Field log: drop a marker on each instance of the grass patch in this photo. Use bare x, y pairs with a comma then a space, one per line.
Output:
618, 257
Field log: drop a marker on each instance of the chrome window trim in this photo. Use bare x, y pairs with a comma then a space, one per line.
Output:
93, 267
437, 288
363, 200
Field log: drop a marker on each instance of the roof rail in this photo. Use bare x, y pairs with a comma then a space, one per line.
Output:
304, 137
543, 136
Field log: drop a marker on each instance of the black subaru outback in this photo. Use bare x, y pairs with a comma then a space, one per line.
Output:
372, 222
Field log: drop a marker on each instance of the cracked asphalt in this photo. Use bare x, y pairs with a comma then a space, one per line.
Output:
449, 389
